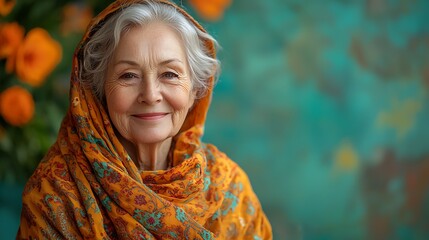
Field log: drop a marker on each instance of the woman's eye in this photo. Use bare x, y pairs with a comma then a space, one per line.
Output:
169, 75
128, 75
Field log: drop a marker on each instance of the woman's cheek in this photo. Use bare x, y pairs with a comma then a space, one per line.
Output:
181, 97
118, 97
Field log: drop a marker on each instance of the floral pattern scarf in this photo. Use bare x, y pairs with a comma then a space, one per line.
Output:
87, 186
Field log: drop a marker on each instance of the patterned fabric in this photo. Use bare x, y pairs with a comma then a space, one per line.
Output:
88, 187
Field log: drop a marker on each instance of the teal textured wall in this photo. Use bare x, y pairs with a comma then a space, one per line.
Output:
325, 105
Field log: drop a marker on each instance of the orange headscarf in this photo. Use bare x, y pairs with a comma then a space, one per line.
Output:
88, 187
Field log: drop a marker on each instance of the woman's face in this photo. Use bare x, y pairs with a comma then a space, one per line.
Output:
148, 88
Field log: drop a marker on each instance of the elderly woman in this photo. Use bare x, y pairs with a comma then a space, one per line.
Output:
128, 162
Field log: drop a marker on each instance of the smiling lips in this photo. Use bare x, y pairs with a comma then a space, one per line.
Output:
151, 116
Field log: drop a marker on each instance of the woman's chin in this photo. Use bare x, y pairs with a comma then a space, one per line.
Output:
151, 138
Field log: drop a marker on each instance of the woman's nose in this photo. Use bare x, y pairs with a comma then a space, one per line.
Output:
150, 92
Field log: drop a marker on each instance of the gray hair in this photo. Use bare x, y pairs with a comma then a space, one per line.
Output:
98, 51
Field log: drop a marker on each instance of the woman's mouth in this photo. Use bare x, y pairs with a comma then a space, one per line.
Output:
151, 116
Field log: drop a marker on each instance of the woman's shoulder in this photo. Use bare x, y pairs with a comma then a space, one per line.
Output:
219, 162
240, 207
50, 173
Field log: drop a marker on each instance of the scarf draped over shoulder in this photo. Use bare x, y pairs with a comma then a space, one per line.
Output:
87, 186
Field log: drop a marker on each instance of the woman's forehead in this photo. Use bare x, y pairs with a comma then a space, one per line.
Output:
155, 41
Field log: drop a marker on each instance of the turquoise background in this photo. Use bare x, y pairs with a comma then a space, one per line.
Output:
325, 106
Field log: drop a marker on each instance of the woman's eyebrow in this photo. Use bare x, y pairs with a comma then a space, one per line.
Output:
165, 62
133, 63
129, 62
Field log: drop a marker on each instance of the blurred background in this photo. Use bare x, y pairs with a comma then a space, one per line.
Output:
323, 103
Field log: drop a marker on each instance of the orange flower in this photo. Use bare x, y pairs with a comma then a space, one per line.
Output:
37, 56
16, 106
6, 6
76, 18
211, 10
11, 35
10, 63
